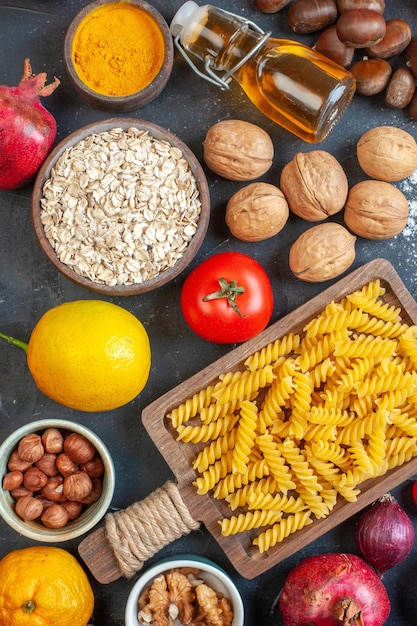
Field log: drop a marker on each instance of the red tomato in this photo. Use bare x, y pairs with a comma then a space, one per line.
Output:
228, 298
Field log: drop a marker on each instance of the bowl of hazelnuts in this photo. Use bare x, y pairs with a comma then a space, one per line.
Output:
57, 480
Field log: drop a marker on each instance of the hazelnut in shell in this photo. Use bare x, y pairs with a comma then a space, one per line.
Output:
322, 252
257, 212
387, 153
238, 150
376, 210
314, 184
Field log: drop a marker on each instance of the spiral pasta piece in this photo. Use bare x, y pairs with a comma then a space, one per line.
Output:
214, 451
241, 497
245, 436
273, 352
276, 463
196, 434
299, 466
268, 502
365, 346
232, 482
408, 343
282, 529
191, 406
301, 404
247, 521
244, 386
211, 476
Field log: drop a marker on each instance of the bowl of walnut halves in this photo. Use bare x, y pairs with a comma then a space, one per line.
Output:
184, 590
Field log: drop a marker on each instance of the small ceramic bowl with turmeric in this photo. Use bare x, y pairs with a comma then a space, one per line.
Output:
119, 55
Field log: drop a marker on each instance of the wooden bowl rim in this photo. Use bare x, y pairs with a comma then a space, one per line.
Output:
139, 98
159, 133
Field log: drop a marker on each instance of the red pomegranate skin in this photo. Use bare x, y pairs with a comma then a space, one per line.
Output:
27, 129
317, 588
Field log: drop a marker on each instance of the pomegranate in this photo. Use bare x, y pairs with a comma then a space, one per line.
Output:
27, 129
333, 589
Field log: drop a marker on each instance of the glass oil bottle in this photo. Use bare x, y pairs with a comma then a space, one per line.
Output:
296, 87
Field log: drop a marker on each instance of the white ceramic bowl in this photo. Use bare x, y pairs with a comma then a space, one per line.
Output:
211, 573
91, 515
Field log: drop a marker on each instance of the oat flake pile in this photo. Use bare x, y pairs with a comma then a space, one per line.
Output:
120, 206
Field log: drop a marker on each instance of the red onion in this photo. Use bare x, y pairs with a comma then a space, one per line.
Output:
333, 589
384, 534
27, 129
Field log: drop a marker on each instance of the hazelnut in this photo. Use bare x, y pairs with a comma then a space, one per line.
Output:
53, 440
65, 465
314, 184
94, 468
387, 153
30, 448
47, 464
400, 89
54, 489
322, 252
376, 210
78, 448
28, 508
20, 492
54, 516
16, 463
360, 28
309, 16
73, 509
95, 492
34, 479
257, 212
12, 480
238, 150
372, 76
77, 486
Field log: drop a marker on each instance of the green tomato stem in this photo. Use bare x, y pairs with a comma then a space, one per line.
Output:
229, 290
15, 342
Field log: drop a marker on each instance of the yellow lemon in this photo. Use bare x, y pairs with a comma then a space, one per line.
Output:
46, 586
89, 355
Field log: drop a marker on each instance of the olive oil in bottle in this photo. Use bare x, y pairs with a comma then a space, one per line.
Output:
296, 87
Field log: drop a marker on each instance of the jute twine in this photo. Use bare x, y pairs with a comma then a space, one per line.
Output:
138, 532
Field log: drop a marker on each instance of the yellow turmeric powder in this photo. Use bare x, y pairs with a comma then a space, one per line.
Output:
118, 49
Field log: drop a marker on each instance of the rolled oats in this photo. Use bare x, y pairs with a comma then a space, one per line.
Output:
120, 206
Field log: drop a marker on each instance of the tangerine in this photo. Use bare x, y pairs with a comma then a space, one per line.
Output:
46, 586
89, 355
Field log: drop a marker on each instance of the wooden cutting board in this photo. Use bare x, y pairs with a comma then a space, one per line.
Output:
95, 549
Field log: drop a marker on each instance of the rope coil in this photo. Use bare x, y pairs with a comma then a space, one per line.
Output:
138, 532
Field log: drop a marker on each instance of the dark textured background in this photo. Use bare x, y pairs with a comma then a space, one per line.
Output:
29, 285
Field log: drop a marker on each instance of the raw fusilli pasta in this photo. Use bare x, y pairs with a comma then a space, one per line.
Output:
307, 418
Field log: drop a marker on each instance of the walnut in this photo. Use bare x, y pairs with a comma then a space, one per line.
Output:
238, 150
257, 212
179, 597
387, 153
315, 185
208, 601
322, 252
376, 210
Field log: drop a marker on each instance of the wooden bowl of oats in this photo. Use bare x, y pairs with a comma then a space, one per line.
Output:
121, 206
